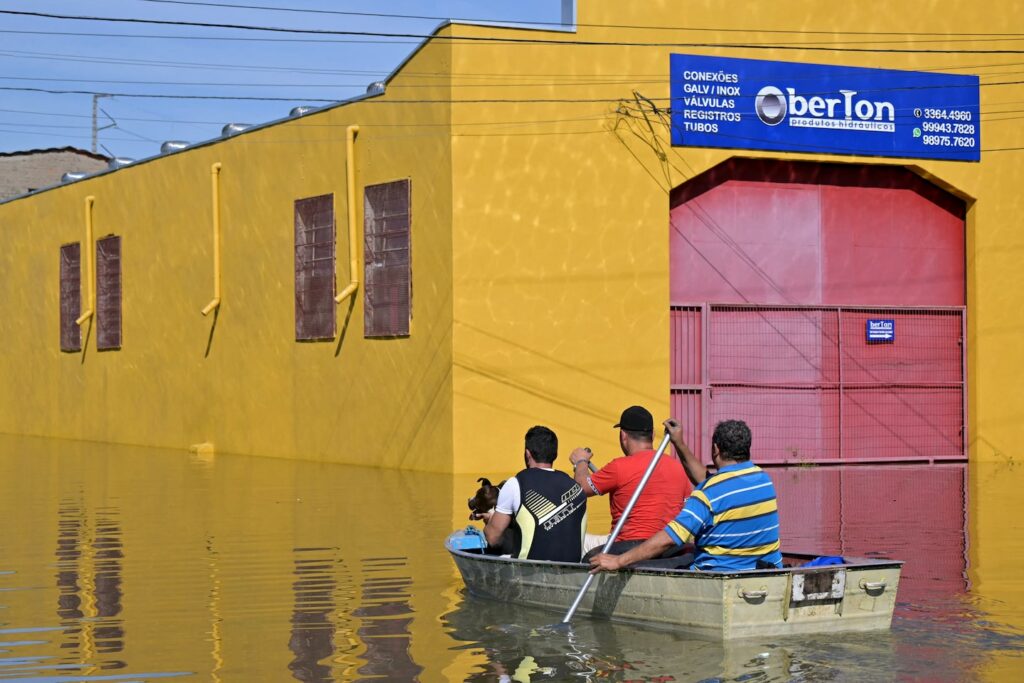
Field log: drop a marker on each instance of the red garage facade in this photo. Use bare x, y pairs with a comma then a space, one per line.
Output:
776, 269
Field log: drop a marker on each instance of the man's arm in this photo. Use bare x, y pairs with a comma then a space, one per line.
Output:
692, 520
497, 522
580, 460
694, 470
652, 547
500, 518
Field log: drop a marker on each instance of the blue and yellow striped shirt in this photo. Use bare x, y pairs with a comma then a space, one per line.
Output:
733, 520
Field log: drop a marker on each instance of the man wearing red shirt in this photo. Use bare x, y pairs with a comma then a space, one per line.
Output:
662, 497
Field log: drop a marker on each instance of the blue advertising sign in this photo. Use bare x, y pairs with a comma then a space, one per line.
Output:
786, 106
881, 330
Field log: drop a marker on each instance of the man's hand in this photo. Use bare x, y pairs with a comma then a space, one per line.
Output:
580, 455
695, 471
674, 429
603, 562
485, 516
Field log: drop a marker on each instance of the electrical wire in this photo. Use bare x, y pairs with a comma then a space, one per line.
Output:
241, 39
56, 56
301, 123
393, 101
332, 85
559, 23
493, 39
164, 96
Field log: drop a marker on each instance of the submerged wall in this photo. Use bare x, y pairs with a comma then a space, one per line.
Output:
541, 170
239, 379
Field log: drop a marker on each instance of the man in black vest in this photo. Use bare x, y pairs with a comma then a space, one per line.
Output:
544, 508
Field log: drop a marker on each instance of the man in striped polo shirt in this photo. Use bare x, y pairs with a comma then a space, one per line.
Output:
732, 516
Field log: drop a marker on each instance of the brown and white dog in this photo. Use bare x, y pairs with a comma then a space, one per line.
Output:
485, 499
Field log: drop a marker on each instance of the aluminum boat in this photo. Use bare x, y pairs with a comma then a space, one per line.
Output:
858, 595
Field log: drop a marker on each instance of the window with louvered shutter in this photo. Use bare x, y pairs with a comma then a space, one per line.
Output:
315, 309
108, 293
387, 261
70, 296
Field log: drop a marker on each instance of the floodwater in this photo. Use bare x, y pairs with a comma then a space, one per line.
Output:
131, 564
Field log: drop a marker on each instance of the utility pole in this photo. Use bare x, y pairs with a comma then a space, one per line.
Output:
95, 113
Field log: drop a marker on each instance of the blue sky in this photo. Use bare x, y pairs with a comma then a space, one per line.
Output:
37, 53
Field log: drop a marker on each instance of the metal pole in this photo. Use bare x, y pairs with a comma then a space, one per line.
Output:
95, 112
618, 527
95, 120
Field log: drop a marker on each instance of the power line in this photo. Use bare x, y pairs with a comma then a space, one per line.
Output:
61, 135
493, 39
51, 91
392, 41
338, 12
157, 36
582, 79
57, 56
487, 100
830, 32
545, 84
393, 86
302, 123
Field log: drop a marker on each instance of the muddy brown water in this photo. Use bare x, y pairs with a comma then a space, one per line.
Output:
131, 564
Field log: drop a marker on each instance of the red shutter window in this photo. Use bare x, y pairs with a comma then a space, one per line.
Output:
387, 260
108, 293
315, 309
70, 296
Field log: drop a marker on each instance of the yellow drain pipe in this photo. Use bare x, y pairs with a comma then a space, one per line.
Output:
350, 169
215, 186
89, 278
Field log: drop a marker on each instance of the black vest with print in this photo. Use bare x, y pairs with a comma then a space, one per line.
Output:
552, 517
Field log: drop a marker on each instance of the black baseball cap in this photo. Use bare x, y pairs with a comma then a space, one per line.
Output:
636, 419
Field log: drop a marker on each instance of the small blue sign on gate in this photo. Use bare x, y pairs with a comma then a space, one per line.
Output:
881, 330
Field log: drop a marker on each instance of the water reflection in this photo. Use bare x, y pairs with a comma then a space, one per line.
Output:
387, 616
312, 632
94, 631
69, 599
108, 633
915, 513
132, 564
518, 645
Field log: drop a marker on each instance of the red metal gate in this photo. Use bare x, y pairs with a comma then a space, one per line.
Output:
813, 388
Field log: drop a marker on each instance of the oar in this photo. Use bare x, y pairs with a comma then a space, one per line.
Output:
618, 527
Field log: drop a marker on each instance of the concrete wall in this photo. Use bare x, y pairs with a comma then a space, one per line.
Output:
20, 173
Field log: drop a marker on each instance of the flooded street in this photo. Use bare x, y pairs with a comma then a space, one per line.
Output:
132, 564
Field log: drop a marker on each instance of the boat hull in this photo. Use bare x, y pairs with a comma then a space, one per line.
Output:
857, 596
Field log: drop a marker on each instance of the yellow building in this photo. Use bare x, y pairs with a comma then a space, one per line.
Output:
536, 171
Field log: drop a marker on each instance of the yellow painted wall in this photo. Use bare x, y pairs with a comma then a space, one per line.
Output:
243, 382
561, 209
540, 262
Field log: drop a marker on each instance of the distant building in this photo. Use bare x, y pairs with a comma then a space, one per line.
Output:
28, 170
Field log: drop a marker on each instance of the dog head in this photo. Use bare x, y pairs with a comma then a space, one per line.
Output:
485, 499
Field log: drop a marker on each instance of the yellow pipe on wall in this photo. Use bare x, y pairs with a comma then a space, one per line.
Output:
89, 277
215, 187
350, 170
